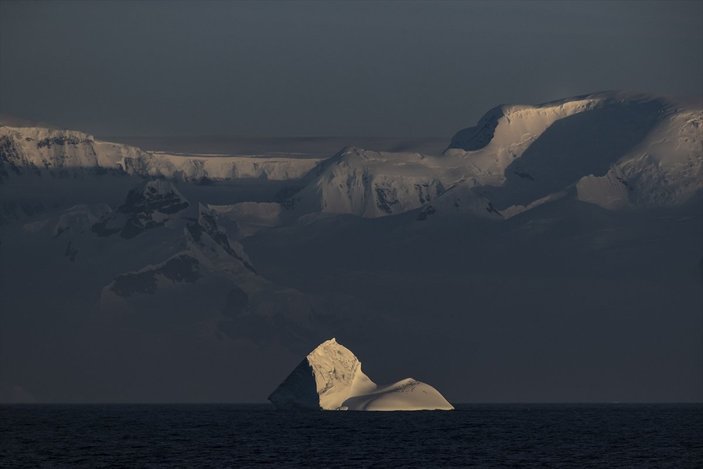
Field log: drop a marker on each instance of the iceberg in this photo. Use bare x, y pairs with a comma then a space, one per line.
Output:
330, 378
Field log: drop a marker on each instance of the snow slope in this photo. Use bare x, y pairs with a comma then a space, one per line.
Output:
43, 150
207, 268
152, 251
613, 149
330, 378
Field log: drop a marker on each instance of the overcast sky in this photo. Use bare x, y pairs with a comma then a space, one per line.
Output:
330, 68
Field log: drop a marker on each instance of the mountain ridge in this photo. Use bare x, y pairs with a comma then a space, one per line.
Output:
156, 264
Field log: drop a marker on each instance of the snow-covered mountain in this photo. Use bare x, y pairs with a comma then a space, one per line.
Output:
613, 149
66, 152
588, 207
158, 251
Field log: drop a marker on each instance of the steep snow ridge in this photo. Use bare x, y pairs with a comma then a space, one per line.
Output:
613, 149
37, 149
619, 150
373, 184
616, 149
213, 241
208, 255
330, 378
206, 278
505, 132
40, 149
665, 169
150, 205
156, 255
582, 144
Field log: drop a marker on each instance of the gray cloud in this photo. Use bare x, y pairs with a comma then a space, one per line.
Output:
330, 68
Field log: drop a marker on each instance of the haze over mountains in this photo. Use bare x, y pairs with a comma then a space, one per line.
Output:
547, 247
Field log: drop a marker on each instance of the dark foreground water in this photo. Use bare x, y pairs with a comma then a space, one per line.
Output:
251, 435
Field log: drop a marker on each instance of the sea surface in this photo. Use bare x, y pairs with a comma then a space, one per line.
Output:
259, 436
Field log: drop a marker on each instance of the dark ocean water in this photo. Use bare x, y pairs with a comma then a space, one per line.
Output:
257, 435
